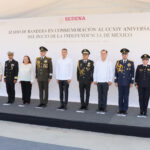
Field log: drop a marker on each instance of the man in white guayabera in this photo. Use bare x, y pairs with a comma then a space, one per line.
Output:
103, 76
64, 69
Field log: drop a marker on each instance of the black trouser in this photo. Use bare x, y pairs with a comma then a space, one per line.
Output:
43, 91
10, 86
63, 89
26, 91
144, 94
123, 92
102, 95
84, 87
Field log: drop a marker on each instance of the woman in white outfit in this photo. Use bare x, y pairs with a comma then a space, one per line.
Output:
26, 78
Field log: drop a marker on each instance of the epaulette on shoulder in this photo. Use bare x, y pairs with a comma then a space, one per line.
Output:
49, 58
90, 60
118, 61
130, 60
37, 58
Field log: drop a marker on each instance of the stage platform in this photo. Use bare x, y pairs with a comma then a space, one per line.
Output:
88, 121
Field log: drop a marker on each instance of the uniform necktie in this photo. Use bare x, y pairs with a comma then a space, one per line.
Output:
85, 61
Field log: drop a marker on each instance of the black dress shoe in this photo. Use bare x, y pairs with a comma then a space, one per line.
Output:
65, 107
40, 105
145, 113
44, 105
86, 108
125, 112
61, 107
82, 107
119, 112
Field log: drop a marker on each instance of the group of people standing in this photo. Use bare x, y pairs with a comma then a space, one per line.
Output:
101, 74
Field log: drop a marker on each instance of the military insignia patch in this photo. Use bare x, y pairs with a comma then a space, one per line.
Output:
129, 65
89, 64
140, 69
45, 61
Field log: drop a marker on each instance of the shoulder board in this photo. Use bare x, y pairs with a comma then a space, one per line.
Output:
91, 60
118, 61
140, 66
38, 58
130, 60
48, 57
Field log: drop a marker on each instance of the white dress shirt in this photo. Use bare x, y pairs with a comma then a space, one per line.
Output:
26, 73
103, 71
64, 69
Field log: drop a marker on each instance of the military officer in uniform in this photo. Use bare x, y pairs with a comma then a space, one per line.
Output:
10, 77
124, 79
44, 72
85, 71
142, 83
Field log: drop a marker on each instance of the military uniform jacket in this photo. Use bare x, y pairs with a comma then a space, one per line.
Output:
11, 70
44, 68
124, 73
142, 77
85, 70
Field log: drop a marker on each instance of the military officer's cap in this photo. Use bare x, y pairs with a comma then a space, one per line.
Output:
145, 56
85, 51
43, 49
10, 53
124, 51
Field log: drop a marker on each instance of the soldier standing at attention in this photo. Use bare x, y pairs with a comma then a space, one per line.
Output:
85, 71
124, 79
44, 72
142, 83
10, 77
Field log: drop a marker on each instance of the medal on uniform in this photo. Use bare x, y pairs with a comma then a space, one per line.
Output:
38, 64
89, 64
129, 65
45, 61
12, 66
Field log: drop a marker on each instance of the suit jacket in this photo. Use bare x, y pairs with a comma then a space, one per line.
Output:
124, 73
142, 77
85, 70
11, 70
44, 68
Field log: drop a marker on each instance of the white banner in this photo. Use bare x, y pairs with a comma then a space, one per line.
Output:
94, 32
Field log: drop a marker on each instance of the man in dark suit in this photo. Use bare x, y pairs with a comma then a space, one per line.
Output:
44, 72
85, 71
10, 77
142, 83
124, 79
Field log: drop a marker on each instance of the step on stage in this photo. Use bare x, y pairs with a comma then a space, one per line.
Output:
70, 119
